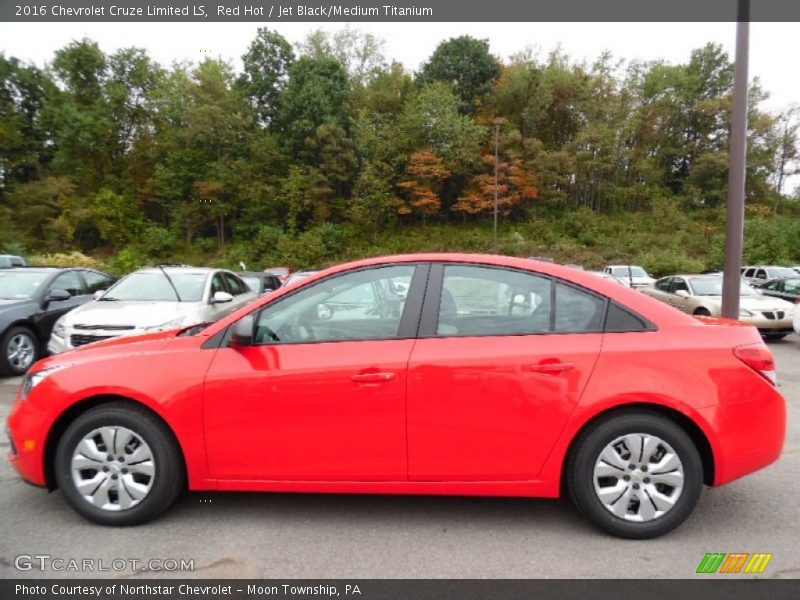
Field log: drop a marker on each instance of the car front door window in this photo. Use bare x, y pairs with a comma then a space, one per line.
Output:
362, 305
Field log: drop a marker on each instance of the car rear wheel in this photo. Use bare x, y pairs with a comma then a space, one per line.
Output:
636, 475
18, 351
118, 464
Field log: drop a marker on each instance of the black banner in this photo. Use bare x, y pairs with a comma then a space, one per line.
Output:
715, 588
261, 11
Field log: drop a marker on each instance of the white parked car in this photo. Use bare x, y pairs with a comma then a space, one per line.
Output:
152, 299
632, 275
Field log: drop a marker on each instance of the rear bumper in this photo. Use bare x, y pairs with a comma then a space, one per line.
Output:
749, 434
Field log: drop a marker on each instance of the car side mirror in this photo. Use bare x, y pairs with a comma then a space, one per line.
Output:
243, 331
99, 294
58, 296
221, 298
682, 293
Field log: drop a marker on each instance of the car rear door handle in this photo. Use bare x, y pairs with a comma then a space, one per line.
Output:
551, 368
373, 377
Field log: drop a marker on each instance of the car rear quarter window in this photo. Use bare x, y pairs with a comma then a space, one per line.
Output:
577, 311
621, 320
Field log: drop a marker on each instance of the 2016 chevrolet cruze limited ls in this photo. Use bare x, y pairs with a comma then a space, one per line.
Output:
421, 374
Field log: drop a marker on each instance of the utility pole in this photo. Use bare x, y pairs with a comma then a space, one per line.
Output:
497, 122
734, 238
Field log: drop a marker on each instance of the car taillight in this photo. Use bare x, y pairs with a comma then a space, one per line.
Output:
758, 358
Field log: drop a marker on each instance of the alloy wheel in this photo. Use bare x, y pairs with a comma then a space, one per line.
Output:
21, 351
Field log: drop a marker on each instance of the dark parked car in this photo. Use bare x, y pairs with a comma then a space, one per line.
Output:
786, 289
31, 300
260, 282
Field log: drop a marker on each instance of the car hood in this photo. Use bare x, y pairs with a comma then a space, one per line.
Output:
138, 314
9, 304
127, 346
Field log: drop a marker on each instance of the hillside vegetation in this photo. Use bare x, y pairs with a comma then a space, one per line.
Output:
312, 154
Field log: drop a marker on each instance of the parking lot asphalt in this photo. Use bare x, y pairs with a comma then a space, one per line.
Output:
326, 536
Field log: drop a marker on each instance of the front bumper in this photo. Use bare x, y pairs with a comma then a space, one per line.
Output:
765, 325
28, 435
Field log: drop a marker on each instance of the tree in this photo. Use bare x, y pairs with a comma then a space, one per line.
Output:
466, 64
427, 176
787, 155
361, 53
266, 70
316, 94
433, 121
515, 186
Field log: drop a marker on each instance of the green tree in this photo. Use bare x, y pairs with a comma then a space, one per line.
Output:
466, 64
266, 71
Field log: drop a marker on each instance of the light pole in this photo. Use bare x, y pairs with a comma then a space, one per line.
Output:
734, 238
497, 122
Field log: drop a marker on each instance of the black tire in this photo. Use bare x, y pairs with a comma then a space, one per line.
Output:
169, 477
595, 438
6, 367
702, 312
775, 336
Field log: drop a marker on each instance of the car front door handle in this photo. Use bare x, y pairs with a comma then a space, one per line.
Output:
373, 377
551, 368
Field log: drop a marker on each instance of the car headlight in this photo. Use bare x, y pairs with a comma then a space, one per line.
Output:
59, 329
745, 313
31, 380
168, 325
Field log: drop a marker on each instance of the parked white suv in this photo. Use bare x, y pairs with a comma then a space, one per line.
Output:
152, 299
631, 275
760, 274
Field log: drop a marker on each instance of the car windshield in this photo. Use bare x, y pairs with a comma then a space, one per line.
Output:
781, 272
153, 286
254, 283
20, 285
712, 286
634, 272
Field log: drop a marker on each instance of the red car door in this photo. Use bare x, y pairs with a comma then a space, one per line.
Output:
503, 358
321, 396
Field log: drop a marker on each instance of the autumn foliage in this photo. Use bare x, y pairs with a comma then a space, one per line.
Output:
515, 186
427, 173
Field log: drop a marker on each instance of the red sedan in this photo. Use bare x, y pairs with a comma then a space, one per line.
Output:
420, 374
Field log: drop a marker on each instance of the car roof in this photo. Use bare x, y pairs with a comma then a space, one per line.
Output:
254, 274
648, 307
198, 270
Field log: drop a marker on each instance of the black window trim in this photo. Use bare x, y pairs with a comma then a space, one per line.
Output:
429, 321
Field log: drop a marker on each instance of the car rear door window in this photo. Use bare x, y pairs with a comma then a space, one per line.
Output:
761, 274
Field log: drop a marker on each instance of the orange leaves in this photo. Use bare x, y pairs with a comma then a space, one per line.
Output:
428, 173
515, 185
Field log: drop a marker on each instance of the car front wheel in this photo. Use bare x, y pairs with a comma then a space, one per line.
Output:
636, 475
18, 351
118, 464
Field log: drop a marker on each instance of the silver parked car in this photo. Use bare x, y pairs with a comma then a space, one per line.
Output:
152, 299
